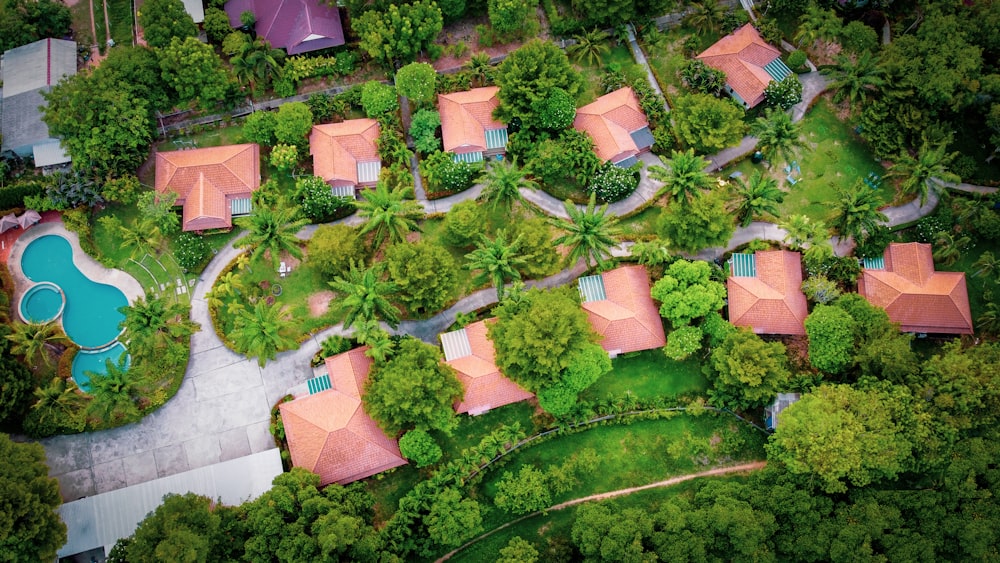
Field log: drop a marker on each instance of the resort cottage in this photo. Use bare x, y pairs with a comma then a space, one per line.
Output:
345, 155
470, 352
749, 62
764, 292
467, 126
618, 127
620, 309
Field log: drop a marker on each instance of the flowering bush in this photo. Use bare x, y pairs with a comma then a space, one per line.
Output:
613, 183
190, 250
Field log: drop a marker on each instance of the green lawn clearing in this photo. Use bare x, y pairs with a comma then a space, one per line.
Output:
649, 375
617, 56
668, 56
120, 16
99, 26
643, 222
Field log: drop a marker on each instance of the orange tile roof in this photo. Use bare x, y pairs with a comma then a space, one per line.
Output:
485, 387
914, 295
338, 148
329, 432
205, 180
627, 319
465, 117
772, 302
609, 121
742, 55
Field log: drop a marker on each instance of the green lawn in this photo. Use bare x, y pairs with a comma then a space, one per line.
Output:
668, 58
642, 223
99, 27
120, 16
834, 158
649, 375
618, 56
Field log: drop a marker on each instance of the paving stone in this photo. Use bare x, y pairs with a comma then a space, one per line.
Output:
203, 451
109, 476
76, 484
234, 443
140, 468
170, 460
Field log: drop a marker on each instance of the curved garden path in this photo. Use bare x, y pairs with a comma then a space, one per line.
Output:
612, 494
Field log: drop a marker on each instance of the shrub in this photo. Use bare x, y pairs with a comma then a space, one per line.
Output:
796, 59
557, 400
784, 93
419, 447
190, 250
733, 20
335, 344
445, 175
716, 329
683, 342
423, 129
464, 223
614, 183
874, 243
332, 249
317, 200
259, 128
856, 37
820, 289
378, 99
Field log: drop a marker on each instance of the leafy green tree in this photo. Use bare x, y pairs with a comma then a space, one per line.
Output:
530, 73
537, 335
333, 248
27, 21
527, 491
497, 261
831, 338
262, 332
706, 222
414, 389
364, 296
423, 129
590, 232
817, 24
687, 292
150, 322
416, 81
217, 25
518, 550
32, 530
538, 256
747, 372
857, 212
604, 536
379, 99
683, 176
464, 224
859, 38
315, 197
760, 196
16, 388
838, 435
683, 342
284, 157
398, 33
419, 447
856, 79
163, 20
388, 214
587, 364
453, 518
35, 341
292, 123
502, 184
706, 123
511, 18
182, 528
58, 406
589, 46
568, 160
777, 136
195, 72
920, 173
136, 70
259, 128
555, 111
426, 276
271, 231
706, 17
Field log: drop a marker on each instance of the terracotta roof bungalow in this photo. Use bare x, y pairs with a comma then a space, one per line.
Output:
749, 62
904, 283
471, 353
468, 128
765, 292
345, 155
329, 432
621, 310
213, 185
298, 26
617, 125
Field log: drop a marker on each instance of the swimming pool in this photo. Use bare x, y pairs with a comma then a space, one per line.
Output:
95, 361
42, 303
90, 316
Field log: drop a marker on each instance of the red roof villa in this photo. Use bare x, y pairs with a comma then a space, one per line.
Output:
904, 283
298, 26
749, 62
621, 310
764, 292
467, 126
345, 155
617, 125
471, 353
212, 184
329, 432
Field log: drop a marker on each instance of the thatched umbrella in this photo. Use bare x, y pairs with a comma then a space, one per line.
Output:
28, 218
8, 222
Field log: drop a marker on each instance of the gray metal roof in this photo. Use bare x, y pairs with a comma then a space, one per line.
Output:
369, 171
50, 153
103, 519
455, 344
592, 288
22, 122
642, 137
781, 403
627, 162
37, 65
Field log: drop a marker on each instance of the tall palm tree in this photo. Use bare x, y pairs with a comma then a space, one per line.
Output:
272, 230
590, 232
380, 344
856, 79
817, 24
502, 183
497, 260
918, 173
33, 341
262, 332
759, 196
590, 46
389, 214
857, 211
989, 321
229, 284
364, 297
60, 402
987, 265
949, 249
151, 321
114, 392
683, 175
777, 136
479, 64
134, 239
706, 17
801, 230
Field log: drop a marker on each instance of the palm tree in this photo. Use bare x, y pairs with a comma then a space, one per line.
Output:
919, 172
856, 79
364, 297
389, 214
114, 392
987, 265
134, 239
262, 332
817, 24
497, 261
60, 403
272, 230
776, 135
228, 284
257, 63
802, 230
152, 321
243, 262
380, 344
479, 64
989, 321
858, 211
590, 232
502, 184
34, 340
590, 46
683, 176
706, 17
758, 197
949, 249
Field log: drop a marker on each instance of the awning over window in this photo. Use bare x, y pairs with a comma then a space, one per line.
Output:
470, 157
344, 191
317, 384
368, 171
743, 265
777, 69
877, 263
241, 206
592, 288
496, 138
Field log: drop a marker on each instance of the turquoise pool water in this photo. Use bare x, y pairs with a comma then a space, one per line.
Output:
42, 303
95, 361
90, 317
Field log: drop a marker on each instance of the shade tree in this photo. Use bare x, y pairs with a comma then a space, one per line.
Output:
706, 222
397, 34
333, 248
425, 275
529, 74
164, 20
31, 528
195, 72
707, 124
687, 292
27, 21
831, 338
746, 372
416, 81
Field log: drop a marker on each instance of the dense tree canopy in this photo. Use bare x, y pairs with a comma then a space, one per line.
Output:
182, 528
398, 33
193, 70
425, 274
831, 338
332, 248
706, 123
687, 292
163, 20
30, 528
26, 21
706, 222
746, 372
529, 74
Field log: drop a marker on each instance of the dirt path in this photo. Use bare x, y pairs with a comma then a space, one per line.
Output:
620, 492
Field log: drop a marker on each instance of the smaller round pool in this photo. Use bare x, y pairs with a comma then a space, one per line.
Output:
96, 361
43, 302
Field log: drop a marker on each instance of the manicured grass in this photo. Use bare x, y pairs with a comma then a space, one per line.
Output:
211, 137
668, 59
99, 27
642, 223
618, 56
833, 159
648, 375
120, 16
